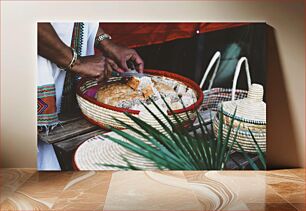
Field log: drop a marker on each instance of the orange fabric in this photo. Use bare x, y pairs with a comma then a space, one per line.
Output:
46, 105
140, 34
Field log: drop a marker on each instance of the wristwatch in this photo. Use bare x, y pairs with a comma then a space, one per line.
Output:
102, 37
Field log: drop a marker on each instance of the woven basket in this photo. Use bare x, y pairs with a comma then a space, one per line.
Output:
250, 115
102, 114
98, 150
214, 96
244, 137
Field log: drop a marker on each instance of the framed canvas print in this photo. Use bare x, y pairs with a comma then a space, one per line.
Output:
151, 96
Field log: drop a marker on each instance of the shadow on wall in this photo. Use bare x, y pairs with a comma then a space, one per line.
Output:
281, 141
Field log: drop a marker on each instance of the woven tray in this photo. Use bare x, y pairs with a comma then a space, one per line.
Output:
98, 150
102, 114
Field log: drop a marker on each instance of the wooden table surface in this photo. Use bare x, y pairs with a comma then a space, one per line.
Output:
67, 137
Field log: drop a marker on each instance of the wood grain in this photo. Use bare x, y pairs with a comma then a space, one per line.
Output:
68, 130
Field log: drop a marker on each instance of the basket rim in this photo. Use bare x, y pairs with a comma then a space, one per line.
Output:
213, 89
240, 131
167, 74
239, 118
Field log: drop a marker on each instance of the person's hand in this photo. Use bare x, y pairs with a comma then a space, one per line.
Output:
120, 55
95, 66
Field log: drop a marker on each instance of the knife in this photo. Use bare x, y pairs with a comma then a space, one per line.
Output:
132, 72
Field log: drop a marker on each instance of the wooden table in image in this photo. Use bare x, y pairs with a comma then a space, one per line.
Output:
76, 130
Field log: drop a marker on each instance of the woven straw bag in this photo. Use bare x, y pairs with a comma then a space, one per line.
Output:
103, 115
214, 96
250, 115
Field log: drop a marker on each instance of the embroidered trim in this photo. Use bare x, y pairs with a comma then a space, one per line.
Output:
46, 95
46, 105
77, 37
69, 102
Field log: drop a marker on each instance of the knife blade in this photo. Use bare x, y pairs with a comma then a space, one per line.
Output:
133, 73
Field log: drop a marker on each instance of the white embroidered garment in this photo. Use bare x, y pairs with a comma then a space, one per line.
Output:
51, 78
50, 84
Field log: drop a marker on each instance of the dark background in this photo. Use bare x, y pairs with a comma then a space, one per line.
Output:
191, 56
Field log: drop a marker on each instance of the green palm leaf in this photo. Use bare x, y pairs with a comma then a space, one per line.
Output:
259, 151
175, 148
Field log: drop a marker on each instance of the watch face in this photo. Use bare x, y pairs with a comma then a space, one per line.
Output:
102, 37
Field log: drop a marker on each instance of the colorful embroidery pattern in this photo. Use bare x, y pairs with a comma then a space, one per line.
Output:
46, 105
69, 101
77, 37
46, 96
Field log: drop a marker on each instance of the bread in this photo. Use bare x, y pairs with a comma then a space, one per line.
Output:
147, 91
133, 82
114, 93
143, 85
137, 90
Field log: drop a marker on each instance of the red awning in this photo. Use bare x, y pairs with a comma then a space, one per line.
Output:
141, 34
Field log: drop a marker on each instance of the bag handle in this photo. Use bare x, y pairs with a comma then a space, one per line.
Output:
216, 57
237, 72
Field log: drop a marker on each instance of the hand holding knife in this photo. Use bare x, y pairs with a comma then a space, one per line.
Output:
132, 71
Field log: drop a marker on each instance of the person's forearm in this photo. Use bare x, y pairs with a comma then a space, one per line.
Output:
51, 47
104, 44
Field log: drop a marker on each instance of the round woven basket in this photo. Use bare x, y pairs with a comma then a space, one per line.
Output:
93, 153
250, 115
244, 137
103, 115
214, 96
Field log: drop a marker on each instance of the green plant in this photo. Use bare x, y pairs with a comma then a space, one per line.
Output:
260, 153
177, 149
